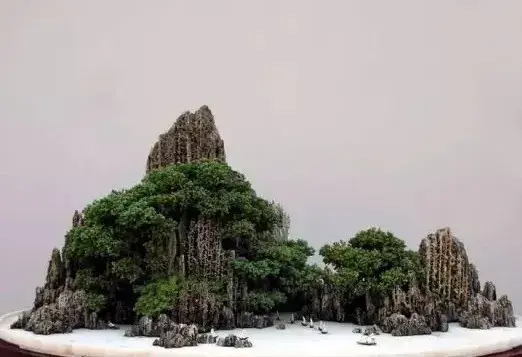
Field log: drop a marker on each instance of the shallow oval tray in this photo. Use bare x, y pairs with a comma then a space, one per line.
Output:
294, 341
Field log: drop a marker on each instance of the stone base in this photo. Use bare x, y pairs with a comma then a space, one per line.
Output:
293, 341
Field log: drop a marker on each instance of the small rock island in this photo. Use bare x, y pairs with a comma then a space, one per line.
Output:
192, 248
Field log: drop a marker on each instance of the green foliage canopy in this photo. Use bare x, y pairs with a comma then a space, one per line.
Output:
372, 262
125, 235
157, 297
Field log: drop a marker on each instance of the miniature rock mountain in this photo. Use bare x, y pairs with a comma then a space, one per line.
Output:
192, 247
205, 215
450, 292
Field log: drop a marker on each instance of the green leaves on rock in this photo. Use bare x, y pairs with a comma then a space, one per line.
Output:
129, 245
95, 302
372, 262
134, 238
264, 302
157, 297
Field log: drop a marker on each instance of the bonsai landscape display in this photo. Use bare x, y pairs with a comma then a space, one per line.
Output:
192, 250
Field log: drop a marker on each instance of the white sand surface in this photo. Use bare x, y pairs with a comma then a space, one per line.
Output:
295, 341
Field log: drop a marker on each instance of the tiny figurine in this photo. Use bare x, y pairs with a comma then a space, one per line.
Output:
320, 326
292, 319
304, 323
213, 333
367, 340
311, 323
278, 318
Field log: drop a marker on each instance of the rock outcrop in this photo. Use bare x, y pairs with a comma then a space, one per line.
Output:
234, 341
179, 336
447, 267
324, 303
484, 311
194, 136
400, 325
454, 282
57, 307
146, 326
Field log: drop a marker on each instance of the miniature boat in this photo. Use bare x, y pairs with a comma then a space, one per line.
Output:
112, 326
367, 341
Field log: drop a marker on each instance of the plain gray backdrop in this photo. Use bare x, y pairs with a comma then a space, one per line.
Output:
405, 115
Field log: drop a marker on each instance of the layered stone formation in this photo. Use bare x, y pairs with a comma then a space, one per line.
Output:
451, 292
194, 136
198, 251
57, 307
447, 267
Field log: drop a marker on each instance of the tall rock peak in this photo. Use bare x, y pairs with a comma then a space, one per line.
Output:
448, 267
193, 137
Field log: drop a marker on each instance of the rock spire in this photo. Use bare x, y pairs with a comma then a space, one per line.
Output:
194, 136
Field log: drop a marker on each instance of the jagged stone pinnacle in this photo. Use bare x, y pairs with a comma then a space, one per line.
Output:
192, 137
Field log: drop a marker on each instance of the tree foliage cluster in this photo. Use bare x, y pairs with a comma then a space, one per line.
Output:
372, 263
125, 252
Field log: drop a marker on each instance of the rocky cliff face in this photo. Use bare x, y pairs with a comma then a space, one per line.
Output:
194, 136
447, 267
451, 291
59, 308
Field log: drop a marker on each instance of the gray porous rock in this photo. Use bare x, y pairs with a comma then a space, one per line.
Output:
443, 325
281, 326
206, 338
400, 325
372, 330
483, 313
148, 327
474, 321
503, 313
193, 136
162, 324
58, 308
392, 322
324, 303
175, 339
68, 312
250, 320
449, 274
143, 327
450, 293
490, 291
234, 341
